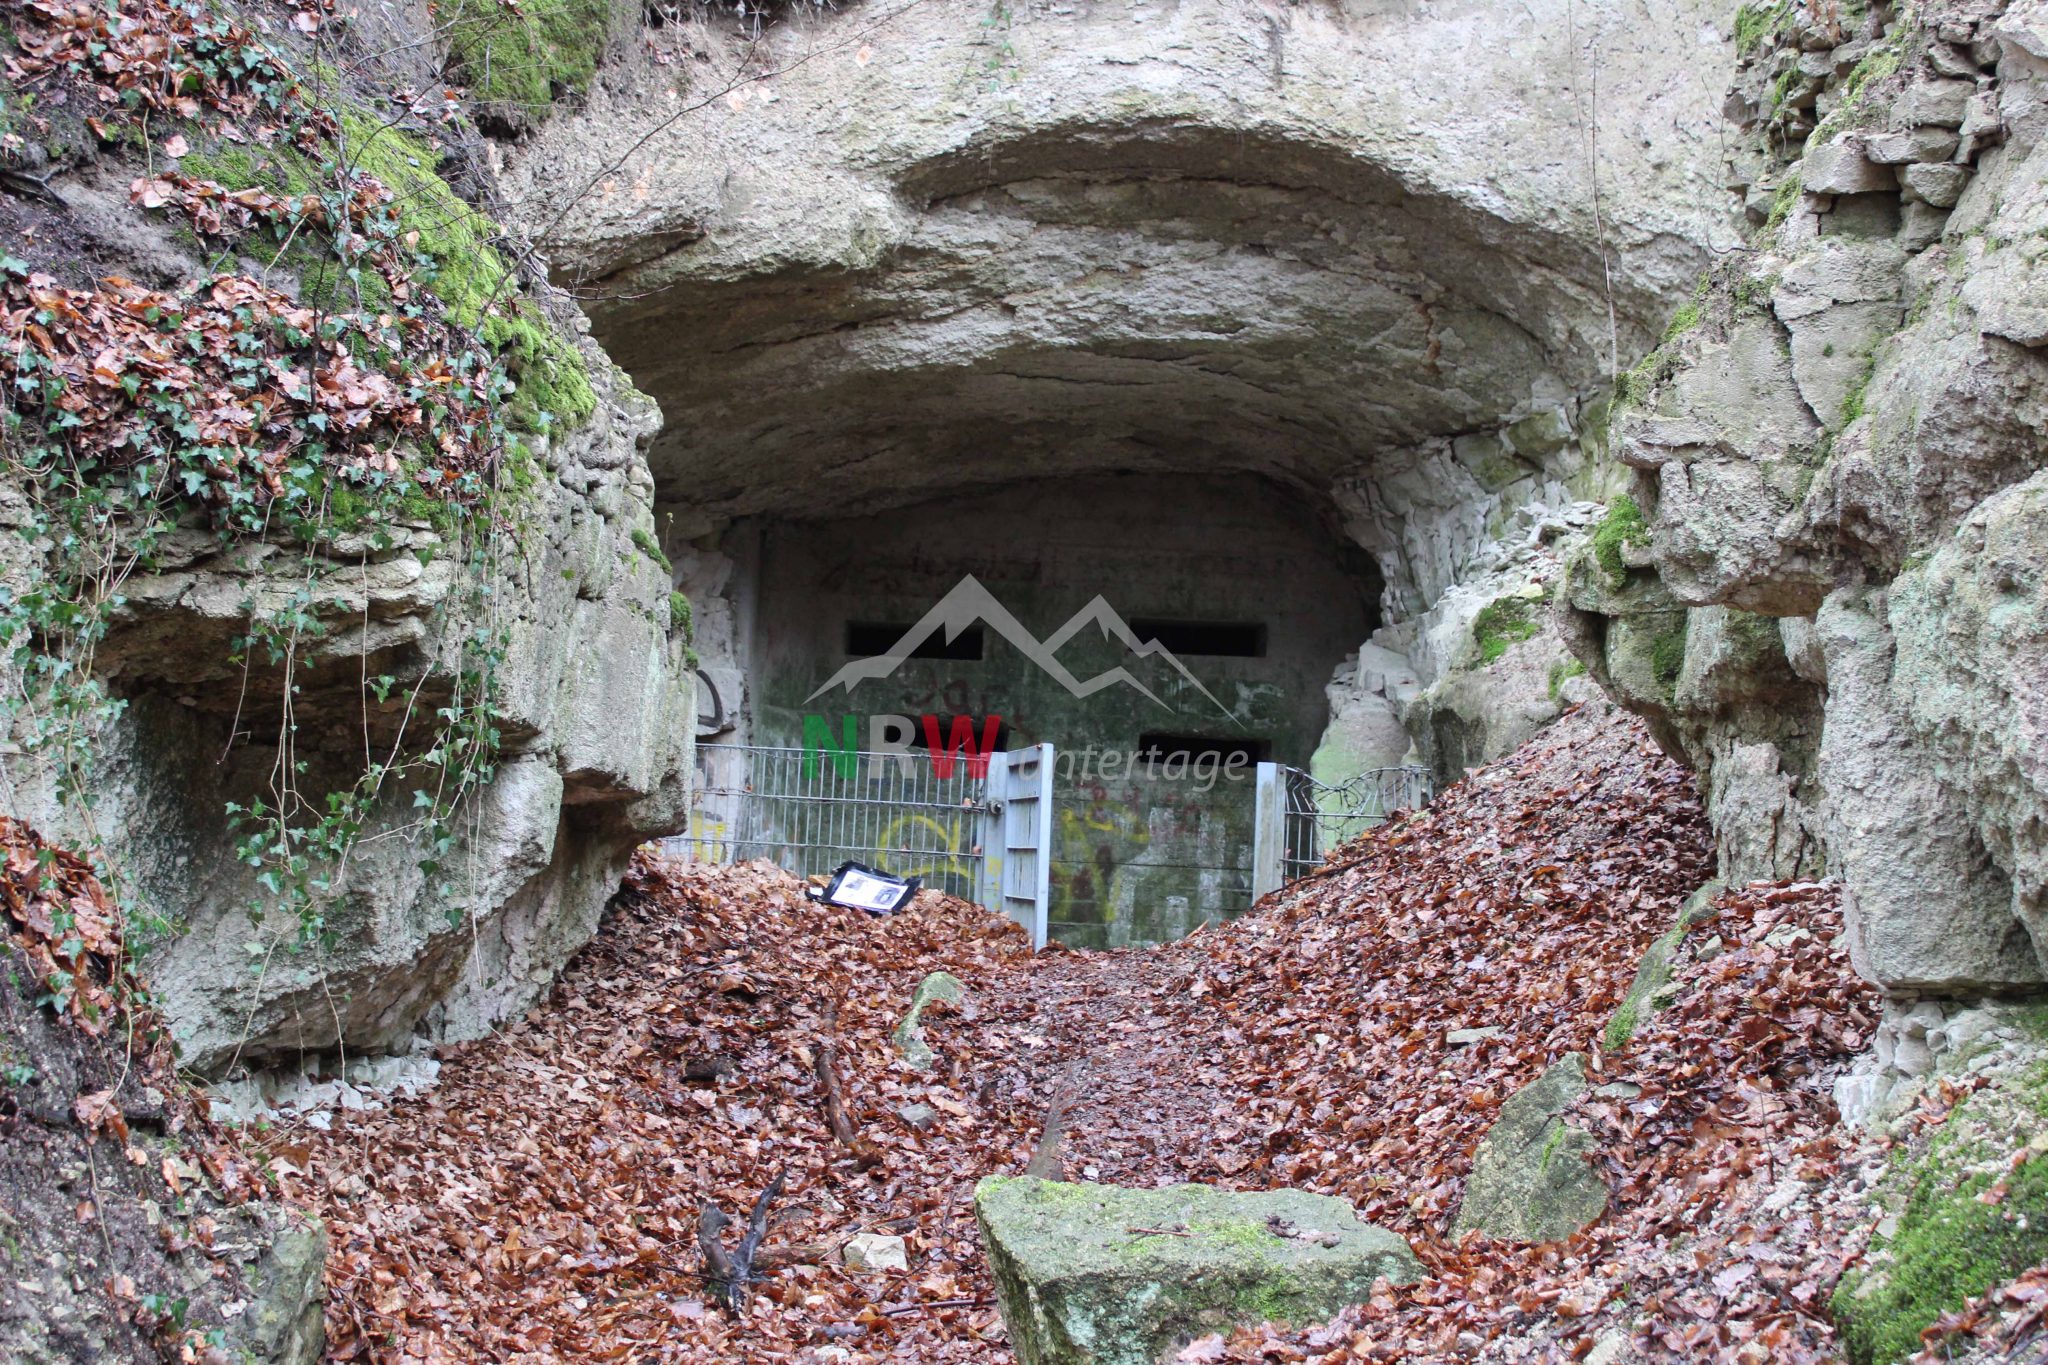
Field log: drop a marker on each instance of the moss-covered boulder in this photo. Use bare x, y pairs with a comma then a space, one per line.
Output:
1101, 1275
1646, 994
938, 987
1530, 1181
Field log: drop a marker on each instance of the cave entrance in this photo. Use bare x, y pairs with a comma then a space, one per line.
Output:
1164, 633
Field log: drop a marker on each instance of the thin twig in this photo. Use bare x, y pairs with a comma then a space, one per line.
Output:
865, 1153
900, 1309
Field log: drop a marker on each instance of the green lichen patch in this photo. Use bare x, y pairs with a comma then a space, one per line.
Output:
1972, 1212
1563, 672
1783, 200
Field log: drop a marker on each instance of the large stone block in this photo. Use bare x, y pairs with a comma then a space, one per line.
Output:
1530, 1181
1100, 1275
1841, 168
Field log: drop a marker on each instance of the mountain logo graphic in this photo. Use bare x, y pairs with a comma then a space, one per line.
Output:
969, 602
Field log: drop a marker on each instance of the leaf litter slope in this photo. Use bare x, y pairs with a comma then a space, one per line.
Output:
542, 1204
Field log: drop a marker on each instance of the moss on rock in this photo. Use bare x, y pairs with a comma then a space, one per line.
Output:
450, 239
1112, 1276
1653, 974
525, 55
1623, 525
472, 279
1667, 654
1969, 1219
1530, 1181
1757, 25
646, 544
1502, 623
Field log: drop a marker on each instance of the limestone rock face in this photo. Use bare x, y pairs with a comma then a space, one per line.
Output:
1530, 1181
1124, 236
596, 722
1354, 249
1842, 470
1099, 1275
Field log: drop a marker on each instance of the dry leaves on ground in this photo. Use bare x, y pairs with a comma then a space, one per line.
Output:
543, 1204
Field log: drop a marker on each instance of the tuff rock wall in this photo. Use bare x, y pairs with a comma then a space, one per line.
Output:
593, 694
1384, 255
596, 701
1830, 592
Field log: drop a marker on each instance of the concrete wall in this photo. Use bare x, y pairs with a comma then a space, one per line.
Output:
1128, 848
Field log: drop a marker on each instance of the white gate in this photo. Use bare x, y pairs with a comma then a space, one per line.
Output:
1016, 868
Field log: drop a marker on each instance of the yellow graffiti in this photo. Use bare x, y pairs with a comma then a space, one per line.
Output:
944, 856
1104, 838
710, 839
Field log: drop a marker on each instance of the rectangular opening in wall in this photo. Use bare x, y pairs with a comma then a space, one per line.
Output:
1241, 753
866, 639
1216, 639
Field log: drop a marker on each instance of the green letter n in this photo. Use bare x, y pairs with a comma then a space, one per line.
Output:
845, 752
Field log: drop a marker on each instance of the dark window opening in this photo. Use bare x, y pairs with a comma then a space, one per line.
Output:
1156, 748
866, 639
1217, 639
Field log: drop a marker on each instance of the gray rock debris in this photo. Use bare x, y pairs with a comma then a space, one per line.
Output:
1530, 1181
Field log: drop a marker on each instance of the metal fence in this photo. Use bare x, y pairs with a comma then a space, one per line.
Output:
1300, 820
809, 811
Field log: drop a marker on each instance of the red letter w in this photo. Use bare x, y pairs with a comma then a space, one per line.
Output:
962, 737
